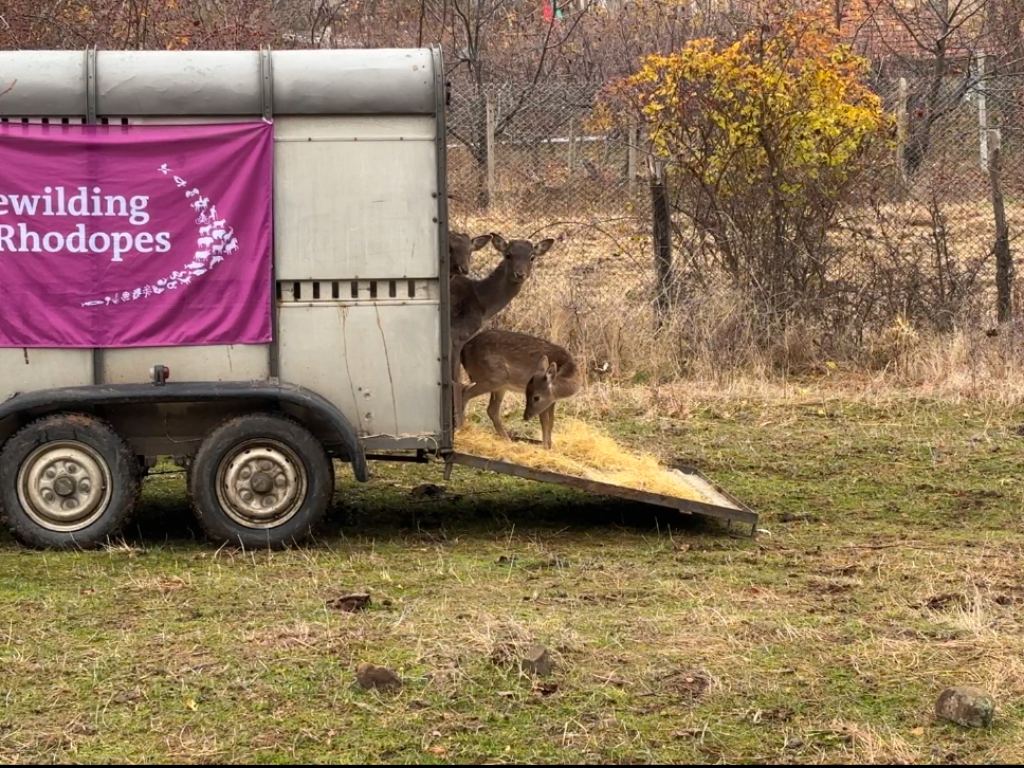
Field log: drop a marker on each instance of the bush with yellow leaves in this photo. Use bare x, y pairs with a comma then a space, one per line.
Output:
764, 138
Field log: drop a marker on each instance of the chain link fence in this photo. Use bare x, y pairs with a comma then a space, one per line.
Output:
914, 248
929, 232
549, 173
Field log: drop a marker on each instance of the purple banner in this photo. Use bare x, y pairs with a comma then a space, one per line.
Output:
135, 236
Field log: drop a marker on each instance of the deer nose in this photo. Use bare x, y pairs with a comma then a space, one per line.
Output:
519, 275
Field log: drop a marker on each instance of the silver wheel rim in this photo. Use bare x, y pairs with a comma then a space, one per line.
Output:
261, 484
64, 486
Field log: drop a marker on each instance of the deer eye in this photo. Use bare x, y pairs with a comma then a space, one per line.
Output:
536, 398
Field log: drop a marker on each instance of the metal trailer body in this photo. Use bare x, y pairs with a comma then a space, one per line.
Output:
360, 309
359, 244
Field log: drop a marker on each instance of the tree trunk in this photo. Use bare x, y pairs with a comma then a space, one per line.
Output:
662, 232
902, 123
1004, 258
921, 133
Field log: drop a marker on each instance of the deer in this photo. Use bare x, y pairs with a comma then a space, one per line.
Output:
474, 302
461, 249
499, 361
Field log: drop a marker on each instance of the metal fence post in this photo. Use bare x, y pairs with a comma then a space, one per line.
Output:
979, 89
902, 126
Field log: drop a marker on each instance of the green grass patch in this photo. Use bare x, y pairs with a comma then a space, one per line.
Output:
889, 568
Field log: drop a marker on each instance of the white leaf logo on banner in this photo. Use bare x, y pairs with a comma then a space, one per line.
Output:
215, 239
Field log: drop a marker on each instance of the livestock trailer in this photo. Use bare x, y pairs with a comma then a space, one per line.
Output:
236, 258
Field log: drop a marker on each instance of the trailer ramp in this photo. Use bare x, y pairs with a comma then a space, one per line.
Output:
721, 505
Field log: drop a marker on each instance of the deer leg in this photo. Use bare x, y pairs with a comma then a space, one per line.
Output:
469, 391
547, 425
494, 411
466, 396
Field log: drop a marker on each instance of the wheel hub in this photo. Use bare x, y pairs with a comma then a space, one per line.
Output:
261, 484
64, 485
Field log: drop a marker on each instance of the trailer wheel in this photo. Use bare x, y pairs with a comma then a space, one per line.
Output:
67, 481
260, 480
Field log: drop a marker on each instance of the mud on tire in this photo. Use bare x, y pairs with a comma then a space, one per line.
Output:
260, 481
67, 481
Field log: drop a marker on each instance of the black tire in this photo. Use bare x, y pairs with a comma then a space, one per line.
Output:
269, 447
99, 481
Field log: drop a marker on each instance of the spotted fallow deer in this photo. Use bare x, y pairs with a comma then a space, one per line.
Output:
499, 361
474, 302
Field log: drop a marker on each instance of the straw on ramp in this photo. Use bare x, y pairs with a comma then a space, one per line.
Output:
581, 450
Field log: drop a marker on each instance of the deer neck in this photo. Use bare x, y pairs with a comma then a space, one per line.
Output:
497, 290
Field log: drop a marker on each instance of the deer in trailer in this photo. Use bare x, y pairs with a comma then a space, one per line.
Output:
499, 361
461, 248
474, 302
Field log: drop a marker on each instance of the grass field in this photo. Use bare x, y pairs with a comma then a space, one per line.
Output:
889, 567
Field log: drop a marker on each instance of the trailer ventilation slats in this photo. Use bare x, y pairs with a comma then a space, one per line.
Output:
357, 291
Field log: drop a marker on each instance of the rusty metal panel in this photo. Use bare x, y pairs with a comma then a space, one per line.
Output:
377, 361
355, 198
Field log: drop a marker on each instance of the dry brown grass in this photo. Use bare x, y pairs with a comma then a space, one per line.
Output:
592, 293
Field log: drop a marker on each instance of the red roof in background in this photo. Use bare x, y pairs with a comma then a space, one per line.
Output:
908, 29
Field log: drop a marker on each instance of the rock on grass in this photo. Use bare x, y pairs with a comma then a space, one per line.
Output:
968, 707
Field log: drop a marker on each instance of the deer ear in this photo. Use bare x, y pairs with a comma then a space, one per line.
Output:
543, 247
480, 242
551, 372
498, 242
542, 366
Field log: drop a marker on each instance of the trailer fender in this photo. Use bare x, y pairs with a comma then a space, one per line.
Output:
38, 402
